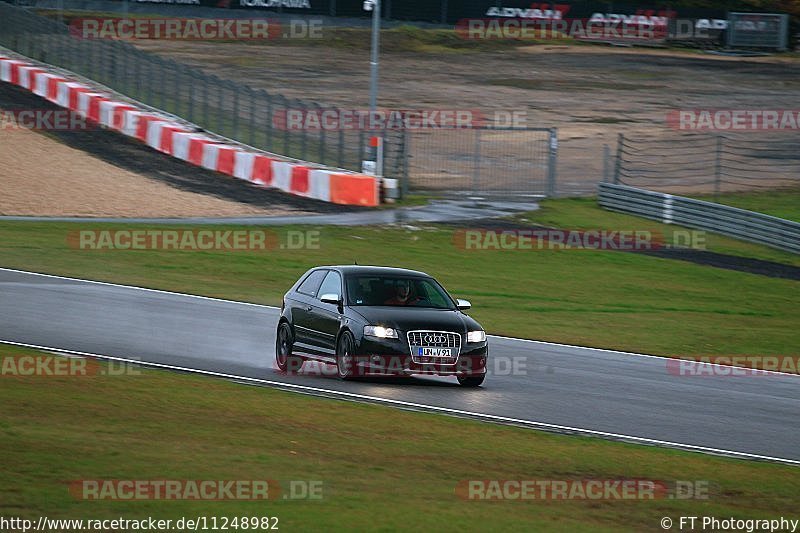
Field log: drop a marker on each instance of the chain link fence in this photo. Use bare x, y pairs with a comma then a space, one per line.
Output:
705, 162
230, 109
491, 161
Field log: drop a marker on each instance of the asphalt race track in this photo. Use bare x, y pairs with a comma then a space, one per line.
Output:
554, 387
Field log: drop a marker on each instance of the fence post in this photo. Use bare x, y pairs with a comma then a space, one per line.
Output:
304, 129
123, 53
363, 154
476, 162
618, 164
89, 59
236, 132
322, 133
718, 168
552, 163
176, 73
162, 82
606, 162
75, 54
48, 49
206, 123
285, 103
340, 149
404, 185
190, 103
147, 90
219, 88
137, 75
270, 122
252, 121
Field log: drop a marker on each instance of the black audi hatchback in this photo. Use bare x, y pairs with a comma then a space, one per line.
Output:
372, 321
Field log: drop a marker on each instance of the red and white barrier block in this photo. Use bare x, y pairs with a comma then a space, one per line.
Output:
173, 138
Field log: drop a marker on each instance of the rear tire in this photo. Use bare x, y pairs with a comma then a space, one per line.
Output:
344, 356
471, 381
285, 360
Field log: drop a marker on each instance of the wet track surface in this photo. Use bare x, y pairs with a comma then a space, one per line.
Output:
568, 386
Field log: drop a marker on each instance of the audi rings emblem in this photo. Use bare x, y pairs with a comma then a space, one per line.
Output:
435, 339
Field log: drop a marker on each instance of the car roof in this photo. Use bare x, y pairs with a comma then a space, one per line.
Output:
375, 270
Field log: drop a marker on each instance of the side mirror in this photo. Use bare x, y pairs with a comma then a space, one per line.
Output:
331, 298
463, 305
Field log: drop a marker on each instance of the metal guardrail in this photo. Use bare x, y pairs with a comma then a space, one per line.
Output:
731, 221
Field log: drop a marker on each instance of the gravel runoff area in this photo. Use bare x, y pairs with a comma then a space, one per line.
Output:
100, 173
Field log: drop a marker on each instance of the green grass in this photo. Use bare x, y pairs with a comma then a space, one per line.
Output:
604, 299
781, 203
380, 468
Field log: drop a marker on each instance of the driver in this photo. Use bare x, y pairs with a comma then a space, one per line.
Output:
402, 295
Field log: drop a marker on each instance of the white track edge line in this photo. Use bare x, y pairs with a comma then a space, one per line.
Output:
264, 306
430, 408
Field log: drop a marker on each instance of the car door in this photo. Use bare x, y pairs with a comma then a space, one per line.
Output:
301, 307
326, 317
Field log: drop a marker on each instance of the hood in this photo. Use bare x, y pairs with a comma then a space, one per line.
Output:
414, 318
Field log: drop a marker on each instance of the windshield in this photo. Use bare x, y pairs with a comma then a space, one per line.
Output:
397, 291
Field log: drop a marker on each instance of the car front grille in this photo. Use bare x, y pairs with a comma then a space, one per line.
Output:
434, 339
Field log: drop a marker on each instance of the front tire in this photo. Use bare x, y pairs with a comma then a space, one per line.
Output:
285, 360
344, 356
471, 381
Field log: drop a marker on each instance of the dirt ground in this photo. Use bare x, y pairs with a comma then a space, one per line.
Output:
590, 93
99, 173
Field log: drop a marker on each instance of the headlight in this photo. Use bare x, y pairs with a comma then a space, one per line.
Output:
380, 332
476, 336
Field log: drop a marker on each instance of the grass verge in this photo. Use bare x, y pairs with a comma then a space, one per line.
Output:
781, 203
379, 468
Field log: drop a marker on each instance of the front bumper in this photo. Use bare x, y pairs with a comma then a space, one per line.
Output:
392, 357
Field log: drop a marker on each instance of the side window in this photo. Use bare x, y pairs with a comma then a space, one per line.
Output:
331, 285
312, 281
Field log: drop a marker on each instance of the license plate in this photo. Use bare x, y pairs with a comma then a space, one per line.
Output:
434, 352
